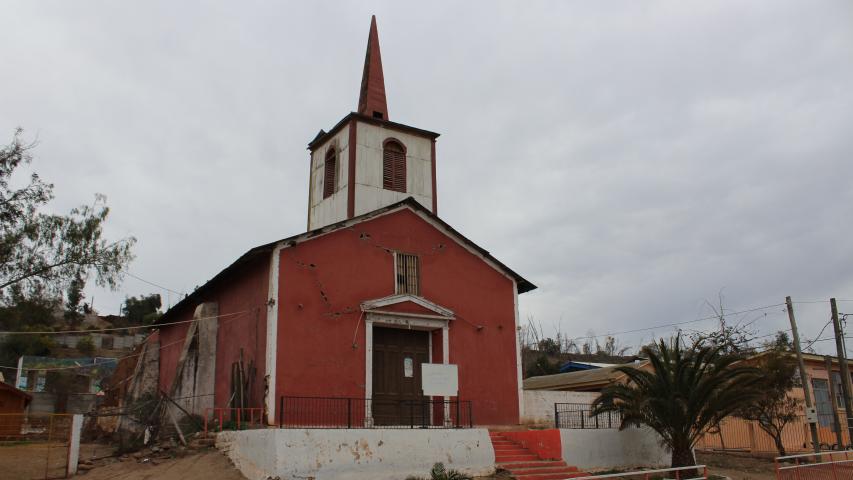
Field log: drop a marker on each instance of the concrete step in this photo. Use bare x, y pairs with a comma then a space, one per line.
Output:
539, 463
503, 448
515, 458
551, 476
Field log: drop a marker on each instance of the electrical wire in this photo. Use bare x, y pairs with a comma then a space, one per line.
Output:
818, 335
675, 324
118, 359
153, 284
113, 329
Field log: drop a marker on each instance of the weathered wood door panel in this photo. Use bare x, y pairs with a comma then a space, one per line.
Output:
397, 358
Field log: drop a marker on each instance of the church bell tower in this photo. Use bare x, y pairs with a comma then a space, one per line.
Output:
366, 161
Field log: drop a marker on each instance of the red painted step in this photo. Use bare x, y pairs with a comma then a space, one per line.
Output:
545, 469
526, 465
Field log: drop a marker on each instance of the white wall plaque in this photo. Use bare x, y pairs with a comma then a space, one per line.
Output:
440, 380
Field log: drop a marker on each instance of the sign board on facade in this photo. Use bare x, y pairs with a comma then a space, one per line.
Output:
811, 415
440, 380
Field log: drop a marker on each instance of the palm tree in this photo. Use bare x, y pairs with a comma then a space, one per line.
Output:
689, 391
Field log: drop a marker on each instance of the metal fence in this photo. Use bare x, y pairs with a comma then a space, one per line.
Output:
815, 466
737, 434
351, 412
696, 472
34, 446
578, 416
221, 418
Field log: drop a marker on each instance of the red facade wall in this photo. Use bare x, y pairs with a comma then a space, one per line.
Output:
322, 282
242, 301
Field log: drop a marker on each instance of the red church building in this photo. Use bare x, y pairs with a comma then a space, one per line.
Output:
357, 312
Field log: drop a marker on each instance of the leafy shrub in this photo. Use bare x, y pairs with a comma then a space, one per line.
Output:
86, 346
439, 472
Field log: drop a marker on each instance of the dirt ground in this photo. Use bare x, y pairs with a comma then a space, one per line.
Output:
206, 465
30, 461
737, 467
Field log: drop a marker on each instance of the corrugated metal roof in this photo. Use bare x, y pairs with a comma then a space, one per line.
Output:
523, 285
577, 381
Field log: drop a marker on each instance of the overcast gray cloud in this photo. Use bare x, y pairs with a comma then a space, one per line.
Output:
630, 158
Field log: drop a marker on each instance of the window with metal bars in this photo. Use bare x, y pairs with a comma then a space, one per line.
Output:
408, 274
330, 173
394, 166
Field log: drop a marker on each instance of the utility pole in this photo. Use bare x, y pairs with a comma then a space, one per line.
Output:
810, 412
836, 425
843, 369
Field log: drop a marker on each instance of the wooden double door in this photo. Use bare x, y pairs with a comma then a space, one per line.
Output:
397, 393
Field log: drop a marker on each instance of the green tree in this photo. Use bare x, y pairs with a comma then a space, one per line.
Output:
774, 409
41, 250
542, 366
16, 346
549, 346
19, 310
688, 391
144, 310
74, 296
86, 346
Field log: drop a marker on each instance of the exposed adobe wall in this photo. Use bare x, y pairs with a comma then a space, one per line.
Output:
241, 325
321, 350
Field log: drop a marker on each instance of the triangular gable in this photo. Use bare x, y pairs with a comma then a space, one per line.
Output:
522, 285
406, 304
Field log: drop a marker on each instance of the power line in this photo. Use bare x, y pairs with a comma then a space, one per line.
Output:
675, 324
136, 327
116, 360
818, 335
154, 284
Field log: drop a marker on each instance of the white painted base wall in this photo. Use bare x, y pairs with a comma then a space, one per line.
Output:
612, 448
539, 404
356, 454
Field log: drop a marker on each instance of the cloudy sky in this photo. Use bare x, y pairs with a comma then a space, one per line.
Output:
632, 159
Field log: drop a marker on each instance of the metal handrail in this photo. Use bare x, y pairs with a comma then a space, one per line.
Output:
361, 412
646, 473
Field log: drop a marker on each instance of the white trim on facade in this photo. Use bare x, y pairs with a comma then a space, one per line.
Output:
407, 297
393, 320
445, 359
518, 364
368, 372
454, 236
272, 334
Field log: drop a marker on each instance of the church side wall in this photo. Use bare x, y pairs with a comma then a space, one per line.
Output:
369, 194
242, 326
333, 209
321, 340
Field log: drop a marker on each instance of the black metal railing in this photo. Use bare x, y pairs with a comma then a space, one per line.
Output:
578, 416
354, 412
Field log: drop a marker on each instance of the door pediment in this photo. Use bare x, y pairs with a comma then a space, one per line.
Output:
407, 305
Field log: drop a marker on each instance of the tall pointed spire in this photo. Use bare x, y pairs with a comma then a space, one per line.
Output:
371, 101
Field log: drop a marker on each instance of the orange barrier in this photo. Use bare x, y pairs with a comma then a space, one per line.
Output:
815, 466
737, 434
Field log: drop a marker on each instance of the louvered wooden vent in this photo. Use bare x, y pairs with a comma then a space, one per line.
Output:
394, 167
330, 176
408, 274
